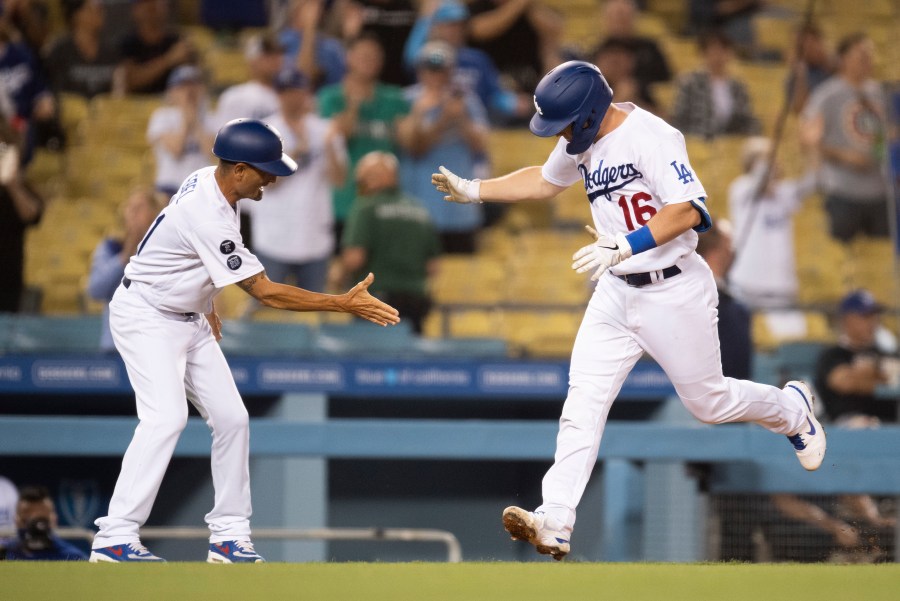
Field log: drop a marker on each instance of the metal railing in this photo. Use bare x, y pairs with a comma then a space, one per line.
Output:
454, 550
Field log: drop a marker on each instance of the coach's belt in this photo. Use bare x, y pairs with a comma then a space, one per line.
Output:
127, 283
638, 280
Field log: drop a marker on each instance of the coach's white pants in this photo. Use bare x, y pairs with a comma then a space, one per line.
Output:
674, 321
167, 355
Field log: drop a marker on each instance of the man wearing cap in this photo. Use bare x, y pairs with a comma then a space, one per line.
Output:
847, 376
192, 250
293, 231
848, 373
447, 22
445, 124
181, 131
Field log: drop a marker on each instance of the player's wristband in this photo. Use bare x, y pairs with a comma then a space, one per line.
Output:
640, 240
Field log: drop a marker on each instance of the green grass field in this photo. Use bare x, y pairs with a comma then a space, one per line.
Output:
29, 581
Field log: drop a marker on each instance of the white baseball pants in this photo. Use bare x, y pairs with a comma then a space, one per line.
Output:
674, 321
167, 354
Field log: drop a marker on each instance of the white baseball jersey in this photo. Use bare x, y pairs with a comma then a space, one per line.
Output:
629, 175
192, 250
294, 223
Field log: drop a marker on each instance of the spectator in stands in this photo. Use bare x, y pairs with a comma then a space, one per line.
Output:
111, 254
83, 61
811, 64
294, 229
446, 125
447, 21
650, 65
24, 96
9, 498
734, 17
763, 217
35, 522
844, 121
848, 373
710, 102
390, 232
735, 338
390, 21
255, 98
20, 208
152, 50
181, 132
318, 56
365, 112
617, 61
31, 20
521, 36
847, 376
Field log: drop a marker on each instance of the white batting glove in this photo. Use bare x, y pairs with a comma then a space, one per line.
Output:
459, 190
602, 254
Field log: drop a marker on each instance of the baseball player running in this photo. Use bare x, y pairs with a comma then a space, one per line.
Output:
192, 251
654, 294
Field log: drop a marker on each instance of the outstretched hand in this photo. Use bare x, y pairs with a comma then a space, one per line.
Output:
359, 302
457, 189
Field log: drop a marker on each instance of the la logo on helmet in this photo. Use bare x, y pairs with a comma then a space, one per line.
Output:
537, 107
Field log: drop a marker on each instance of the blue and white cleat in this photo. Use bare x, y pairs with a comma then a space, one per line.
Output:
133, 552
809, 442
535, 528
233, 551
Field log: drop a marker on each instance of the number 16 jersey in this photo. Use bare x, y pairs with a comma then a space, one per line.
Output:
629, 175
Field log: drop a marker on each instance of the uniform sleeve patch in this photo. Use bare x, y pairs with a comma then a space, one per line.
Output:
234, 262
227, 247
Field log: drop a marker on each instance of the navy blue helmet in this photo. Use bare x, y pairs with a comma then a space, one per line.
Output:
573, 93
256, 143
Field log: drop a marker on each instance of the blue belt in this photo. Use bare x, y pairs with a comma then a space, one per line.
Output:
639, 280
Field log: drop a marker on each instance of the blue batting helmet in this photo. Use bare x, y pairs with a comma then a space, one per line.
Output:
256, 143
574, 93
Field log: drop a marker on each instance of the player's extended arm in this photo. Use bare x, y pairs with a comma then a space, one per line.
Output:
357, 300
524, 184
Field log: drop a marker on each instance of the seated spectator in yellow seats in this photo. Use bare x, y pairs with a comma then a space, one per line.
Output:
112, 253
392, 233
710, 101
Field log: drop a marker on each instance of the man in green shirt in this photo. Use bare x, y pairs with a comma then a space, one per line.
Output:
365, 112
391, 234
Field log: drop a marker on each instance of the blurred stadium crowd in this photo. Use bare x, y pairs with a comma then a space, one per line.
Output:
105, 98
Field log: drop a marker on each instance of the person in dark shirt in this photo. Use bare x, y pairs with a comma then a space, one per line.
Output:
521, 36
650, 64
152, 50
388, 20
848, 373
20, 207
83, 61
35, 522
735, 341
